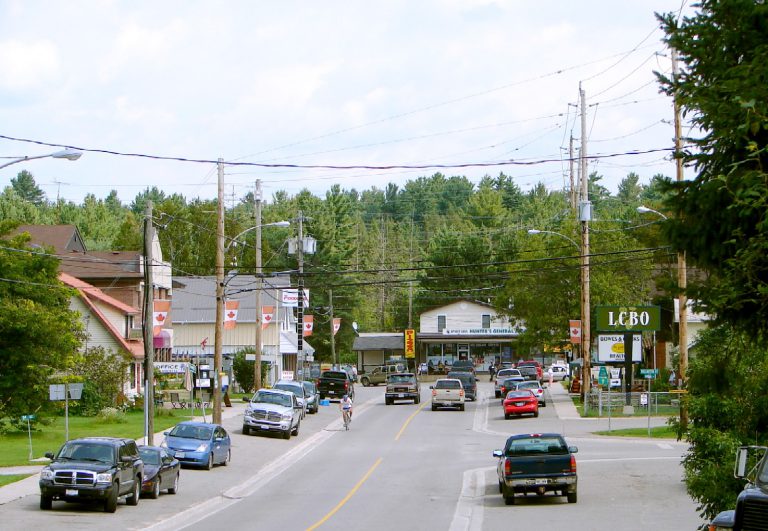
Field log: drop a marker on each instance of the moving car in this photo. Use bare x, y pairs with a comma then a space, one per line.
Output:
502, 375
532, 363
468, 381
447, 392
199, 444
535, 387
96, 469
273, 410
536, 463
529, 372
335, 384
161, 471
509, 384
402, 386
520, 403
297, 389
463, 366
313, 396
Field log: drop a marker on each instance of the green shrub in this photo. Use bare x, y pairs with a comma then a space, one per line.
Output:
111, 415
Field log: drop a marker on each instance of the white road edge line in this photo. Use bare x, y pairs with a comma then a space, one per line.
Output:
248, 487
470, 508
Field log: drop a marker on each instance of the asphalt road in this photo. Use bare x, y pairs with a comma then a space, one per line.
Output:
402, 467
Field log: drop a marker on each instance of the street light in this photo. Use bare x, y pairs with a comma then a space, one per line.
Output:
69, 154
645, 210
537, 231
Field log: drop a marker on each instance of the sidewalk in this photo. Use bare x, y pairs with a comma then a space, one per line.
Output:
29, 486
564, 406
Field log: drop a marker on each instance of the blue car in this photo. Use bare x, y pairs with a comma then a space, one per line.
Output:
199, 444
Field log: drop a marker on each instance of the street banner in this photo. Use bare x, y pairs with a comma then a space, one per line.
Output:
410, 343
308, 324
336, 325
159, 315
267, 315
230, 314
575, 326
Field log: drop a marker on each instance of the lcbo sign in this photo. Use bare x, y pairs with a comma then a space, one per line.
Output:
628, 318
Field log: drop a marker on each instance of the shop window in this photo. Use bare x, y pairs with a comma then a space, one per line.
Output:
486, 320
440, 323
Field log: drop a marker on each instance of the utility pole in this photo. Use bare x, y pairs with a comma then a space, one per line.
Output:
333, 338
682, 277
219, 327
259, 286
300, 297
571, 161
585, 213
149, 347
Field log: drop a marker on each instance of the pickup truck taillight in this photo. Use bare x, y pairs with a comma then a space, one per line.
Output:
507, 468
573, 464
461, 392
434, 392
346, 385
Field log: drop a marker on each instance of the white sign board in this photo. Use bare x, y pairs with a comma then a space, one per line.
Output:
56, 392
171, 367
287, 375
479, 332
610, 348
291, 298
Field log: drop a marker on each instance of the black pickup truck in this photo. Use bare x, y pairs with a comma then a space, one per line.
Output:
536, 463
751, 512
335, 384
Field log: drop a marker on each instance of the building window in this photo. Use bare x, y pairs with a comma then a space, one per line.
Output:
440, 323
486, 320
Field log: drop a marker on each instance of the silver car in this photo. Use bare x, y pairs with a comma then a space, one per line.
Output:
313, 396
273, 410
297, 389
501, 376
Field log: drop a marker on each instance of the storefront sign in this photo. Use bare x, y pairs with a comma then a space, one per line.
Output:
628, 318
168, 367
291, 298
410, 343
479, 332
610, 348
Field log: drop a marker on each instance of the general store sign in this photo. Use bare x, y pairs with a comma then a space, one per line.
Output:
610, 348
628, 318
479, 332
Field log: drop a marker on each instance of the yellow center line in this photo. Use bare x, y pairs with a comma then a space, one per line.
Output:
347, 497
409, 419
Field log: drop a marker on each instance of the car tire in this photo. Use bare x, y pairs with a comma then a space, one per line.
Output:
506, 416
387, 402
365, 381
246, 430
46, 503
501, 487
572, 497
498, 394
461, 407
228, 458
509, 496
535, 414
209, 464
175, 488
417, 399
434, 407
543, 404
155, 489
286, 434
133, 497
296, 429
110, 504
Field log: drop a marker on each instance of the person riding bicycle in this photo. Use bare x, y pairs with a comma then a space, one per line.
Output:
345, 405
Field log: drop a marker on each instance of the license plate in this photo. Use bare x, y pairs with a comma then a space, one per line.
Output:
70, 492
400, 395
264, 426
518, 404
540, 482
179, 455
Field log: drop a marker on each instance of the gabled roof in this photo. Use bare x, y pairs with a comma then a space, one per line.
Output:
63, 238
457, 300
379, 341
89, 295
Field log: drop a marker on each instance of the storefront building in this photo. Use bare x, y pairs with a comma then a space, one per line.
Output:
466, 330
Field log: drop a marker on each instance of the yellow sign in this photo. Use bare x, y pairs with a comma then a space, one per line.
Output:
410, 343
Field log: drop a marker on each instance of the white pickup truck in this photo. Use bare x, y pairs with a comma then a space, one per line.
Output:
447, 392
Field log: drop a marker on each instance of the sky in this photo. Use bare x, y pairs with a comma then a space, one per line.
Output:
312, 94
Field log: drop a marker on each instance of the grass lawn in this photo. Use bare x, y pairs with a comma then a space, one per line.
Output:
5, 480
617, 411
50, 438
657, 432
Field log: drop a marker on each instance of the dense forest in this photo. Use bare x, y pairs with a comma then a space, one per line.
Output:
386, 254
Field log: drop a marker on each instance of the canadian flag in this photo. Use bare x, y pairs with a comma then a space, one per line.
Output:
159, 315
230, 314
308, 324
575, 326
336, 325
267, 315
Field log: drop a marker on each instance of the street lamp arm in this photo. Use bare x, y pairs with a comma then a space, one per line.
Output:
536, 231
69, 154
644, 210
275, 224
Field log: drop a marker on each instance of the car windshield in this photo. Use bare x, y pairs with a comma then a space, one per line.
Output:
400, 378
447, 384
189, 431
309, 387
150, 457
507, 372
278, 399
528, 385
519, 394
536, 445
297, 390
87, 452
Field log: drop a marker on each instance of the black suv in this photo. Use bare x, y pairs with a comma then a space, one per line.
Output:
99, 469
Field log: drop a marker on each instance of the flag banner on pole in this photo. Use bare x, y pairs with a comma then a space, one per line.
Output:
160, 311
308, 324
230, 314
336, 325
267, 315
204, 342
575, 326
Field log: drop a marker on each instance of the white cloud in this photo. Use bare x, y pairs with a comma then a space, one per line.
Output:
28, 65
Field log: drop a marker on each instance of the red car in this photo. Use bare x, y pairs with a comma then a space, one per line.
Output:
520, 403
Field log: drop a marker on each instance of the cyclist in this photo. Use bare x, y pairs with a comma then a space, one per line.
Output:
345, 405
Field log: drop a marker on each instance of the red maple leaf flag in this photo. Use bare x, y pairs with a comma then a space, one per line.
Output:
308, 324
336, 325
160, 309
230, 314
267, 315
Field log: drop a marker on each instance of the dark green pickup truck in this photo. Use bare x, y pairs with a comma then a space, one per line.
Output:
536, 463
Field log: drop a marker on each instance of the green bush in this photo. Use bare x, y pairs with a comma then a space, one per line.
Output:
111, 415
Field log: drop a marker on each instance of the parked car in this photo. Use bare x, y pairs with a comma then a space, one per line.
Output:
161, 471
559, 372
520, 403
534, 363
402, 386
313, 396
273, 410
509, 384
297, 389
536, 388
502, 375
93, 469
536, 463
447, 392
463, 366
529, 372
199, 444
468, 381
379, 374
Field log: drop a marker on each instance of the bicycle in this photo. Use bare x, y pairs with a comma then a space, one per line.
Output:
347, 415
